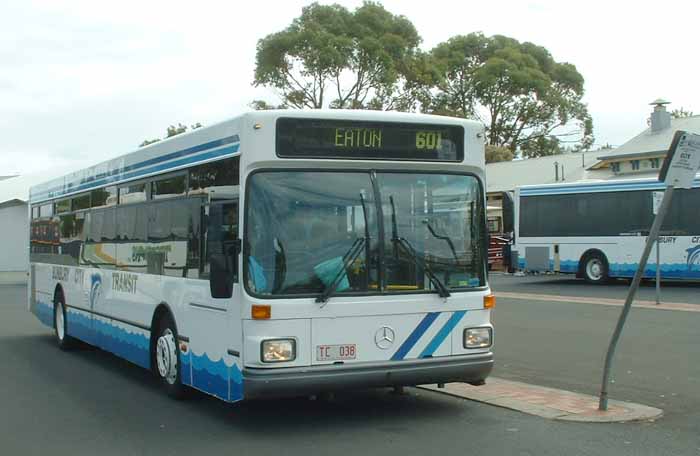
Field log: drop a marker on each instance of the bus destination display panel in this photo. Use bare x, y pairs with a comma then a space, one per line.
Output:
340, 139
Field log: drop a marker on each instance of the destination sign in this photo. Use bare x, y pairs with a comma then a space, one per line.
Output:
341, 139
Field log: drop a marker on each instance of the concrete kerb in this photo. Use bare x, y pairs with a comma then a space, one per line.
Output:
548, 403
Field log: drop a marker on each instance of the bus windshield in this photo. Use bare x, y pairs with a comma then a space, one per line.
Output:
364, 233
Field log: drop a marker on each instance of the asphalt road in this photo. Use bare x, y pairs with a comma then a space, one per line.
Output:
89, 402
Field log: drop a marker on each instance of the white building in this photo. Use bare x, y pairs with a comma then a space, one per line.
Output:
14, 224
643, 155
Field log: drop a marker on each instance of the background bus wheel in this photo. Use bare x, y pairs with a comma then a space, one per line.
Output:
166, 357
595, 268
64, 341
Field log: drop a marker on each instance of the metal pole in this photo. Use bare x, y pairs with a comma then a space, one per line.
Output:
653, 236
658, 272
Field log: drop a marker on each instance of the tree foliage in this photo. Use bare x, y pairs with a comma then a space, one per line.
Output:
541, 147
498, 154
370, 58
681, 113
517, 89
331, 57
172, 130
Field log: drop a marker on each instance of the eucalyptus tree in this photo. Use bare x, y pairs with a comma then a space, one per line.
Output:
517, 89
332, 57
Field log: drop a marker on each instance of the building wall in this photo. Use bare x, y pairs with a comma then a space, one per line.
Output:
14, 241
642, 166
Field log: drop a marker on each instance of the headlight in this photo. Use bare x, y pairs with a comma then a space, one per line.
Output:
477, 337
278, 350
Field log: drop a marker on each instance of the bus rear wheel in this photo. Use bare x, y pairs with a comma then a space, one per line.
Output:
595, 268
60, 325
166, 357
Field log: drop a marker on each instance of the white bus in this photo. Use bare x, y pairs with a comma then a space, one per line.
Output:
277, 253
597, 230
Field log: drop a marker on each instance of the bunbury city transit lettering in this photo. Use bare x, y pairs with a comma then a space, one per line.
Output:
124, 283
60, 273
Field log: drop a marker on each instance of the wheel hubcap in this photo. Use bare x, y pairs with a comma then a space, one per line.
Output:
60, 329
595, 269
166, 356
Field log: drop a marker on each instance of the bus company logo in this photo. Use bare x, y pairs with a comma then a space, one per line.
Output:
95, 289
693, 257
384, 337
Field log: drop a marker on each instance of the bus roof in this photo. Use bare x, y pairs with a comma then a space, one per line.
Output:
597, 186
201, 145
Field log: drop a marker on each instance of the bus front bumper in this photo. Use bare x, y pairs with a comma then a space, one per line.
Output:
299, 381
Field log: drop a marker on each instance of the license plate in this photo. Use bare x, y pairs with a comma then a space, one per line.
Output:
336, 352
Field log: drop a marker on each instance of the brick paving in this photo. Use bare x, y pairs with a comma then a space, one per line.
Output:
548, 402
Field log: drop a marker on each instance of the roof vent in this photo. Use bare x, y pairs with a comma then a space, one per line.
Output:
660, 118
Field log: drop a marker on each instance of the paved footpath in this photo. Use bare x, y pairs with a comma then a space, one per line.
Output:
549, 402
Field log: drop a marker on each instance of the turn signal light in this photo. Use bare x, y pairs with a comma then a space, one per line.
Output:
490, 301
261, 312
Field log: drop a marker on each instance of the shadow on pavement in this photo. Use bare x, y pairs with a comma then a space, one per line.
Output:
86, 374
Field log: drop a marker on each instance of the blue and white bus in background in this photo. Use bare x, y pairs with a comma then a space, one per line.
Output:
277, 253
597, 230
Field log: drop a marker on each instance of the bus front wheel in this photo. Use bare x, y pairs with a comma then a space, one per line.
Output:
166, 357
595, 268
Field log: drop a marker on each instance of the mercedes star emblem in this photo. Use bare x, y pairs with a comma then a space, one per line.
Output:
384, 337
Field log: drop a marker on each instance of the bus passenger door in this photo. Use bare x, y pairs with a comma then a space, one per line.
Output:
213, 308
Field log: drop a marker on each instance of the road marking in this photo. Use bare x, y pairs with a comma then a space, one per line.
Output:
683, 307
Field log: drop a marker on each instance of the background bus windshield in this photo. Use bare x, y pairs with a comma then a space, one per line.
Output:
306, 229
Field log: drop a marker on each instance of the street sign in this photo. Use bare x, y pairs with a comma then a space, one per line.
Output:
682, 161
656, 198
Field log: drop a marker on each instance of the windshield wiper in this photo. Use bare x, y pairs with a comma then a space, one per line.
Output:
442, 290
447, 239
349, 257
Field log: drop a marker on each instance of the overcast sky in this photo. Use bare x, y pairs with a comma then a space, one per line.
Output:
82, 81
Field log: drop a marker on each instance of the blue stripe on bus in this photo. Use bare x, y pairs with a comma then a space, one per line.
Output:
597, 187
415, 336
440, 337
152, 161
219, 153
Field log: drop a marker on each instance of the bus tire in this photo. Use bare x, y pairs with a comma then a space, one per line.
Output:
594, 268
166, 357
60, 323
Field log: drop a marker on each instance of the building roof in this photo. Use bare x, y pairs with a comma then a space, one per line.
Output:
505, 176
12, 203
647, 143
17, 187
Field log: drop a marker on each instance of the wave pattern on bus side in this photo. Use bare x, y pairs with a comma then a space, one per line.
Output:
133, 344
216, 377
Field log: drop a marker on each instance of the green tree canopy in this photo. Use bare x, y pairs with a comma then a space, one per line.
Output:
498, 154
517, 89
681, 113
331, 57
